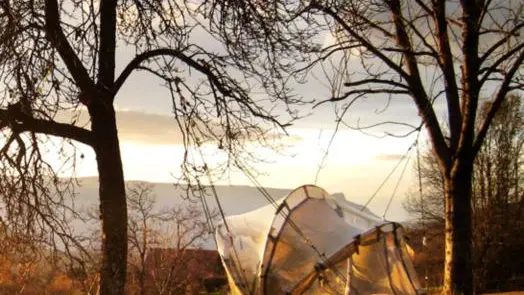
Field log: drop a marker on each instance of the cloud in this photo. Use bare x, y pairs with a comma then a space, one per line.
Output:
389, 157
161, 129
291, 138
134, 126
148, 128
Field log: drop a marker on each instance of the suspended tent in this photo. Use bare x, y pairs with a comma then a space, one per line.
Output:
314, 243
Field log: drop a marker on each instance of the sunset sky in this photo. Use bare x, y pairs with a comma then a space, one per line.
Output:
356, 165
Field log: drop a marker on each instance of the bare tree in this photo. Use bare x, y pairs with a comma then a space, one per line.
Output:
498, 213
19, 263
498, 202
141, 232
422, 50
58, 57
29, 267
171, 266
425, 201
159, 238
449, 53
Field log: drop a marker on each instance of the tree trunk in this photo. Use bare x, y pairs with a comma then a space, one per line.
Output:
458, 275
113, 210
142, 277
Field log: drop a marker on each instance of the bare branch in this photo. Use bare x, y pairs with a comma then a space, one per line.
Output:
502, 41
20, 122
497, 102
106, 59
362, 40
135, 63
364, 92
488, 71
376, 81
447, 65
58, 39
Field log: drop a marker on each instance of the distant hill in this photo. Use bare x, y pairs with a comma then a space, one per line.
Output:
234, 199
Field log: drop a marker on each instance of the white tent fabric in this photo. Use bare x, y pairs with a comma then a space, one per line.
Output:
313, 243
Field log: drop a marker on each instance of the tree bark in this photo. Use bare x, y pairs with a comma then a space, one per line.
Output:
142, 282
458, 275
113, 210
142, 274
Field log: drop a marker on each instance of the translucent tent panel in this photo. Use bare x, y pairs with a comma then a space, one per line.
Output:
375, 263
245, 242
312, 243
380, 266
303, 241
333, 280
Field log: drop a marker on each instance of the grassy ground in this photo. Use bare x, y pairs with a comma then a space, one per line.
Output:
436, 291
507, 293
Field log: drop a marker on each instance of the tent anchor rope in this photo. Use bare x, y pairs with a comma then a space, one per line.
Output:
396, 188
385, 180
222, 215
423, 217
375, 193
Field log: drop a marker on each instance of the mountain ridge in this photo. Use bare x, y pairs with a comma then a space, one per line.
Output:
235, 199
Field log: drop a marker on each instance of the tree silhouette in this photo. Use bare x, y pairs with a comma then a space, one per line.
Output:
498, 205
436, 54
59, 57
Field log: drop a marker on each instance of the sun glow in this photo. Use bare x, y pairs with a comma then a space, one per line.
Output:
352, 163
306, 150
